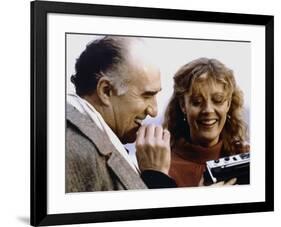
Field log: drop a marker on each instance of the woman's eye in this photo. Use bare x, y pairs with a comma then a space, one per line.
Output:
196, 102
218, 100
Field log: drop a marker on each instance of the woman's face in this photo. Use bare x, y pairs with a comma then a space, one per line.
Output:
206, 111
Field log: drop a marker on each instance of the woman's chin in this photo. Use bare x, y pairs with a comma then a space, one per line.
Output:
208, 141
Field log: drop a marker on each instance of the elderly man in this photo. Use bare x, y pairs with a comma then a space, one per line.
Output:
116, 87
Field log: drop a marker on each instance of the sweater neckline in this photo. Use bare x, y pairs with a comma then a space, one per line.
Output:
197, 153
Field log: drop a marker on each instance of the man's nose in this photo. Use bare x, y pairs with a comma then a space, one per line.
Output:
152, 108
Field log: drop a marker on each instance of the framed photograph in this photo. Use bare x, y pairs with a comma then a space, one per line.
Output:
85, 166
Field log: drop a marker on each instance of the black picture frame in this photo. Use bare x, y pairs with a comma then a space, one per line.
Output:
39, 11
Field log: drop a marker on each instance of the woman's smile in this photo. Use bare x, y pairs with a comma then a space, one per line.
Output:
207, 122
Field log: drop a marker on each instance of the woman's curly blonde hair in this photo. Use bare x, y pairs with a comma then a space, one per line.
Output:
234, 130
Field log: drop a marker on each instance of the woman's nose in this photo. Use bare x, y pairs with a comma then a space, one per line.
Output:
207, 107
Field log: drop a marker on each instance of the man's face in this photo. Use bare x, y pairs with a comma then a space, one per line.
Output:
131, 108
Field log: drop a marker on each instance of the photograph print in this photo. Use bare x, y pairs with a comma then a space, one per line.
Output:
156, 112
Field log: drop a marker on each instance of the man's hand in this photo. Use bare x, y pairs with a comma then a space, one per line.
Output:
153, 148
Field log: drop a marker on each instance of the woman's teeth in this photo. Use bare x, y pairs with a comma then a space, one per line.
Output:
208, 122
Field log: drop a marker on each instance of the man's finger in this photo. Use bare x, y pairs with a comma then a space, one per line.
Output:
149, 133
166, 136
140, 134
159, 133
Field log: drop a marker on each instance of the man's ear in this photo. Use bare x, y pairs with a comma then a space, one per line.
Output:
104, 90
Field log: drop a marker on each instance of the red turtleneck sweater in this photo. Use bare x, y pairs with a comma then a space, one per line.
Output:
188, 162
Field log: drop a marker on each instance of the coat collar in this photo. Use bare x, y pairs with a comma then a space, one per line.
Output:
129, 178
90, 130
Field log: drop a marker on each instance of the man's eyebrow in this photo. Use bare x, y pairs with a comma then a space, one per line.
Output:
150, 93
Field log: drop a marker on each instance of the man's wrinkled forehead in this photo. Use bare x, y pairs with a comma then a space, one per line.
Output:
147, 81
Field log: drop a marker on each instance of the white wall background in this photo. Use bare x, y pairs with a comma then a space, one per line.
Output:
171, 54
15, 111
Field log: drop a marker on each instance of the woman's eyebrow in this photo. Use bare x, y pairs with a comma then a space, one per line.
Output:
220, 93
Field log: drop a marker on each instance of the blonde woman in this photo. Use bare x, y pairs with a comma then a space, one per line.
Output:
204, 119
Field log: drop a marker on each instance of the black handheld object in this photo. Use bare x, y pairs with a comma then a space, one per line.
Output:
226, 168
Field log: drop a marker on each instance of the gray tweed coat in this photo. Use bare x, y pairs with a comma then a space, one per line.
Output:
92, 162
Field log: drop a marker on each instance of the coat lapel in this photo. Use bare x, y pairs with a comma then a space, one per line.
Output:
124, 171
129, 178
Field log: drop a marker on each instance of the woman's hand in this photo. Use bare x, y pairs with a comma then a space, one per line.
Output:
153, 148
221, 183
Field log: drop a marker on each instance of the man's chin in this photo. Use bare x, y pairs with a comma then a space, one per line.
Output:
130, 136
129, 140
